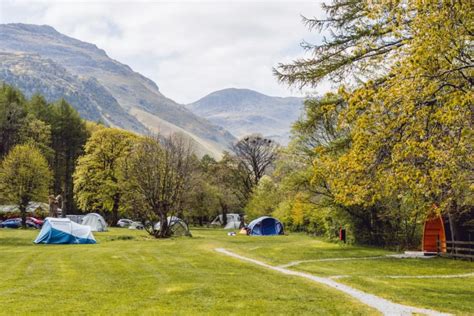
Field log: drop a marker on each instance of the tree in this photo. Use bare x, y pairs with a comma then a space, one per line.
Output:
366, 38
202, 200
405, 125
24, 176
158, 173
69, 134
37, 132
263, 200
99, 173
254, 155
229, 180
12, 117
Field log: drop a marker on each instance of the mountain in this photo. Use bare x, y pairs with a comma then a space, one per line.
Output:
38, 59
243, 111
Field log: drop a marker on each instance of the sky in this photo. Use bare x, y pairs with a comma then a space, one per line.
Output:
189, 48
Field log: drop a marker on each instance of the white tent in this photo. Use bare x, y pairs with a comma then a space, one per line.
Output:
95, 221
233, 221
177, 226
64, 231
76, 218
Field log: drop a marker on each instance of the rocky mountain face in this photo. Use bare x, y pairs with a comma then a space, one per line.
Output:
243, 111
38, 59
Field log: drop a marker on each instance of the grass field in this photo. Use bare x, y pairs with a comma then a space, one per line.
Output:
128, 272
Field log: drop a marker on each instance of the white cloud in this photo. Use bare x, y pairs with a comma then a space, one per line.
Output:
189, 48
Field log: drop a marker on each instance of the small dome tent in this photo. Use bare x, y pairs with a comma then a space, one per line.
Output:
64, 231
95, 221
177, 226
233, 221
265, 226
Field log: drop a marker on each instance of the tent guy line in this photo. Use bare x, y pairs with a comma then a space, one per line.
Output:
384, 306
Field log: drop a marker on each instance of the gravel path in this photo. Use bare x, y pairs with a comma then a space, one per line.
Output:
439, 276
384, 306
295, 263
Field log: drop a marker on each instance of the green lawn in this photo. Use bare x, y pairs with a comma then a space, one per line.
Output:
128, 272
455, 295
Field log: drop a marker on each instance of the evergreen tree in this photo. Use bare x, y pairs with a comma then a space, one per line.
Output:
69, 134
12, 117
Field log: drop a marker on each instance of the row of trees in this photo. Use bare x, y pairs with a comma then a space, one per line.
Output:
393, 145
48, 149
39, 146
151, 178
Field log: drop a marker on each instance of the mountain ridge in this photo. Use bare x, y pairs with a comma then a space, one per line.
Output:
246, 111
132, 101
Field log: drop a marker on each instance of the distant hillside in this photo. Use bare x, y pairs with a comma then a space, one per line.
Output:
243, 111
39, 59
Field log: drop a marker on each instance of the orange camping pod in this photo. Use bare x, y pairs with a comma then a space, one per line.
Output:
432, 233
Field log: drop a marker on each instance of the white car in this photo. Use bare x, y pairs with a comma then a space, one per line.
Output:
136, 225
124, 222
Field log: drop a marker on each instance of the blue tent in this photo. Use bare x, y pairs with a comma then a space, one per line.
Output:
64, 231
265, 226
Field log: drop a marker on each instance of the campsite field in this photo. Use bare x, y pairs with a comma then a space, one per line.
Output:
128, 272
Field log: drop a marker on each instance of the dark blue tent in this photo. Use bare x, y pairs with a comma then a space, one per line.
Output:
265, 226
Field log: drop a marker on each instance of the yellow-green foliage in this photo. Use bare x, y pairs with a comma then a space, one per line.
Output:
411, 132
24, 176
99, 172
264, 199
394, 146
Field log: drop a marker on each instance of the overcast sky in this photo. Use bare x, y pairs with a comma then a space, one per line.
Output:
189, 48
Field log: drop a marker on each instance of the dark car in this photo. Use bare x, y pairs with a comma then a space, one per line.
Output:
11, 223
16, 223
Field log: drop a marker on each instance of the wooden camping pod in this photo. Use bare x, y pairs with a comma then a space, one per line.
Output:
433, 232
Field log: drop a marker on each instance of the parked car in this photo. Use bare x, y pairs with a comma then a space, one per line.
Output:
11, 223
136, 225
38, 222
124, 222
16, 223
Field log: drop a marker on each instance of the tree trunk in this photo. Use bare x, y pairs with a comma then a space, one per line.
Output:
115, 209
68, 194
163, 233
23, 205
224, 213
451, 228
57, 175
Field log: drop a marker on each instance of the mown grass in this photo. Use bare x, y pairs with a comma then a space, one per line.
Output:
454, 295
131, 273
449, 295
